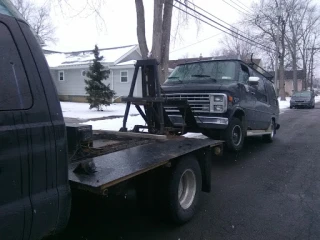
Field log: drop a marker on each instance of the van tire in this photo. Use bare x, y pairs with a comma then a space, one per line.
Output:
234, 135
269, 137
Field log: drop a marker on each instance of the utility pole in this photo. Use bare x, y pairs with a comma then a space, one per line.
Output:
276, 70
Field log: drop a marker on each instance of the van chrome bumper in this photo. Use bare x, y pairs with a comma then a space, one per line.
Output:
178, 120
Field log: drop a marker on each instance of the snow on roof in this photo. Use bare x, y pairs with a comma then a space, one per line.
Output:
131, 62
110, 55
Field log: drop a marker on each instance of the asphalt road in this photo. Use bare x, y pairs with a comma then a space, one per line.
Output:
268, 191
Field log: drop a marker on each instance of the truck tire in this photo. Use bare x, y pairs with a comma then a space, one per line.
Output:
269, 137
184, 189
234, 135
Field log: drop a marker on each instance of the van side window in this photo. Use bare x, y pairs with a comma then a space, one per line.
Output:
262, 93
261, 86
244, 74
15, 91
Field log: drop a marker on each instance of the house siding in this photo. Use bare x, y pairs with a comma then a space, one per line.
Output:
289, 87
133, 56
73, 83
73, 87
122, 89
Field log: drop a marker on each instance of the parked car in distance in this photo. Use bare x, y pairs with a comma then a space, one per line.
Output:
303, 99
229, 99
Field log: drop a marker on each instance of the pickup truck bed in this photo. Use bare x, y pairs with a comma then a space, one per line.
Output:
131, 154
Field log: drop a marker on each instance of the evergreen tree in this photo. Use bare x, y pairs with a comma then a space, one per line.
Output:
99, 94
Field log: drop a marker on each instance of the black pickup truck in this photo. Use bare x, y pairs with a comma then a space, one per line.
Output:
39, 165
229, 98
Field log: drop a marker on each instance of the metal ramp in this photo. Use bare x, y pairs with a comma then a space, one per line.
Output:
153, 101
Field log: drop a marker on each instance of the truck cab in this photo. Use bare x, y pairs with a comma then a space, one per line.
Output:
229, 99
35, 199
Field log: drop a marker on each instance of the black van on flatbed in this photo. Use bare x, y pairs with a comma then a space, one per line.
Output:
39, 165
229, 99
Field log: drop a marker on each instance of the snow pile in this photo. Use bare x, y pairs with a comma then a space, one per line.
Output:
82, 111
131, 62
55, 59
284, 104
116, 123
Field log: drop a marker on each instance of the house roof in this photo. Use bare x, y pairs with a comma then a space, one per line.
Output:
113, 55
131, 62
288, 74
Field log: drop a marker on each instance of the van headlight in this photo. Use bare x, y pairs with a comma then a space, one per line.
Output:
218, 98
218, 103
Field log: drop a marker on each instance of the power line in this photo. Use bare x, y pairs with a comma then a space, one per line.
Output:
240, 6
234, 7
251, 40
217, 18
246, 7
175, 50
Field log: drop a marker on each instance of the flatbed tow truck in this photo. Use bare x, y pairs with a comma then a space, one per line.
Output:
103, 159
42, 159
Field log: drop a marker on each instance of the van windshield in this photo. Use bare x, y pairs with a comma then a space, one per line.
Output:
204, 72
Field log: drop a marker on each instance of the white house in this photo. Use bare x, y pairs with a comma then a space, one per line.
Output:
68, 70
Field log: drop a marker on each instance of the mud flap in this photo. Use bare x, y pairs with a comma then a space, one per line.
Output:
204, 158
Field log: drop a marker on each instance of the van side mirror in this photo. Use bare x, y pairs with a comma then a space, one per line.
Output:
254, 80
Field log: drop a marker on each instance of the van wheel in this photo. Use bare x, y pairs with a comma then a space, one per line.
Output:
234, 135
184, 189
269, 137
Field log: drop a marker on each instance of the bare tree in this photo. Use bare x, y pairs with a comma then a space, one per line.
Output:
38, 18
266, 22
298, 12
162, 25
309, 40
162, 19
233, 45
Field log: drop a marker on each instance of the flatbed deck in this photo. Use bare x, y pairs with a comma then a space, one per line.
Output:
96, 174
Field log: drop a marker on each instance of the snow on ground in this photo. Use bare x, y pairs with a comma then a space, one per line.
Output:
82, 111
116, 123
284, 104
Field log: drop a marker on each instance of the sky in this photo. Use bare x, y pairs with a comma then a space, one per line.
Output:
78, 28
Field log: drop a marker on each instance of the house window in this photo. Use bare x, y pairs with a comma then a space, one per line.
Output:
124, 76
83, 73
61, 75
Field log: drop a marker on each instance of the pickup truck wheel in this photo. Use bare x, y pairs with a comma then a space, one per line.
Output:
234, 135
269, 137
184, 189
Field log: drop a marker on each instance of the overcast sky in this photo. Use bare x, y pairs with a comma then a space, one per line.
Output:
75, 30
